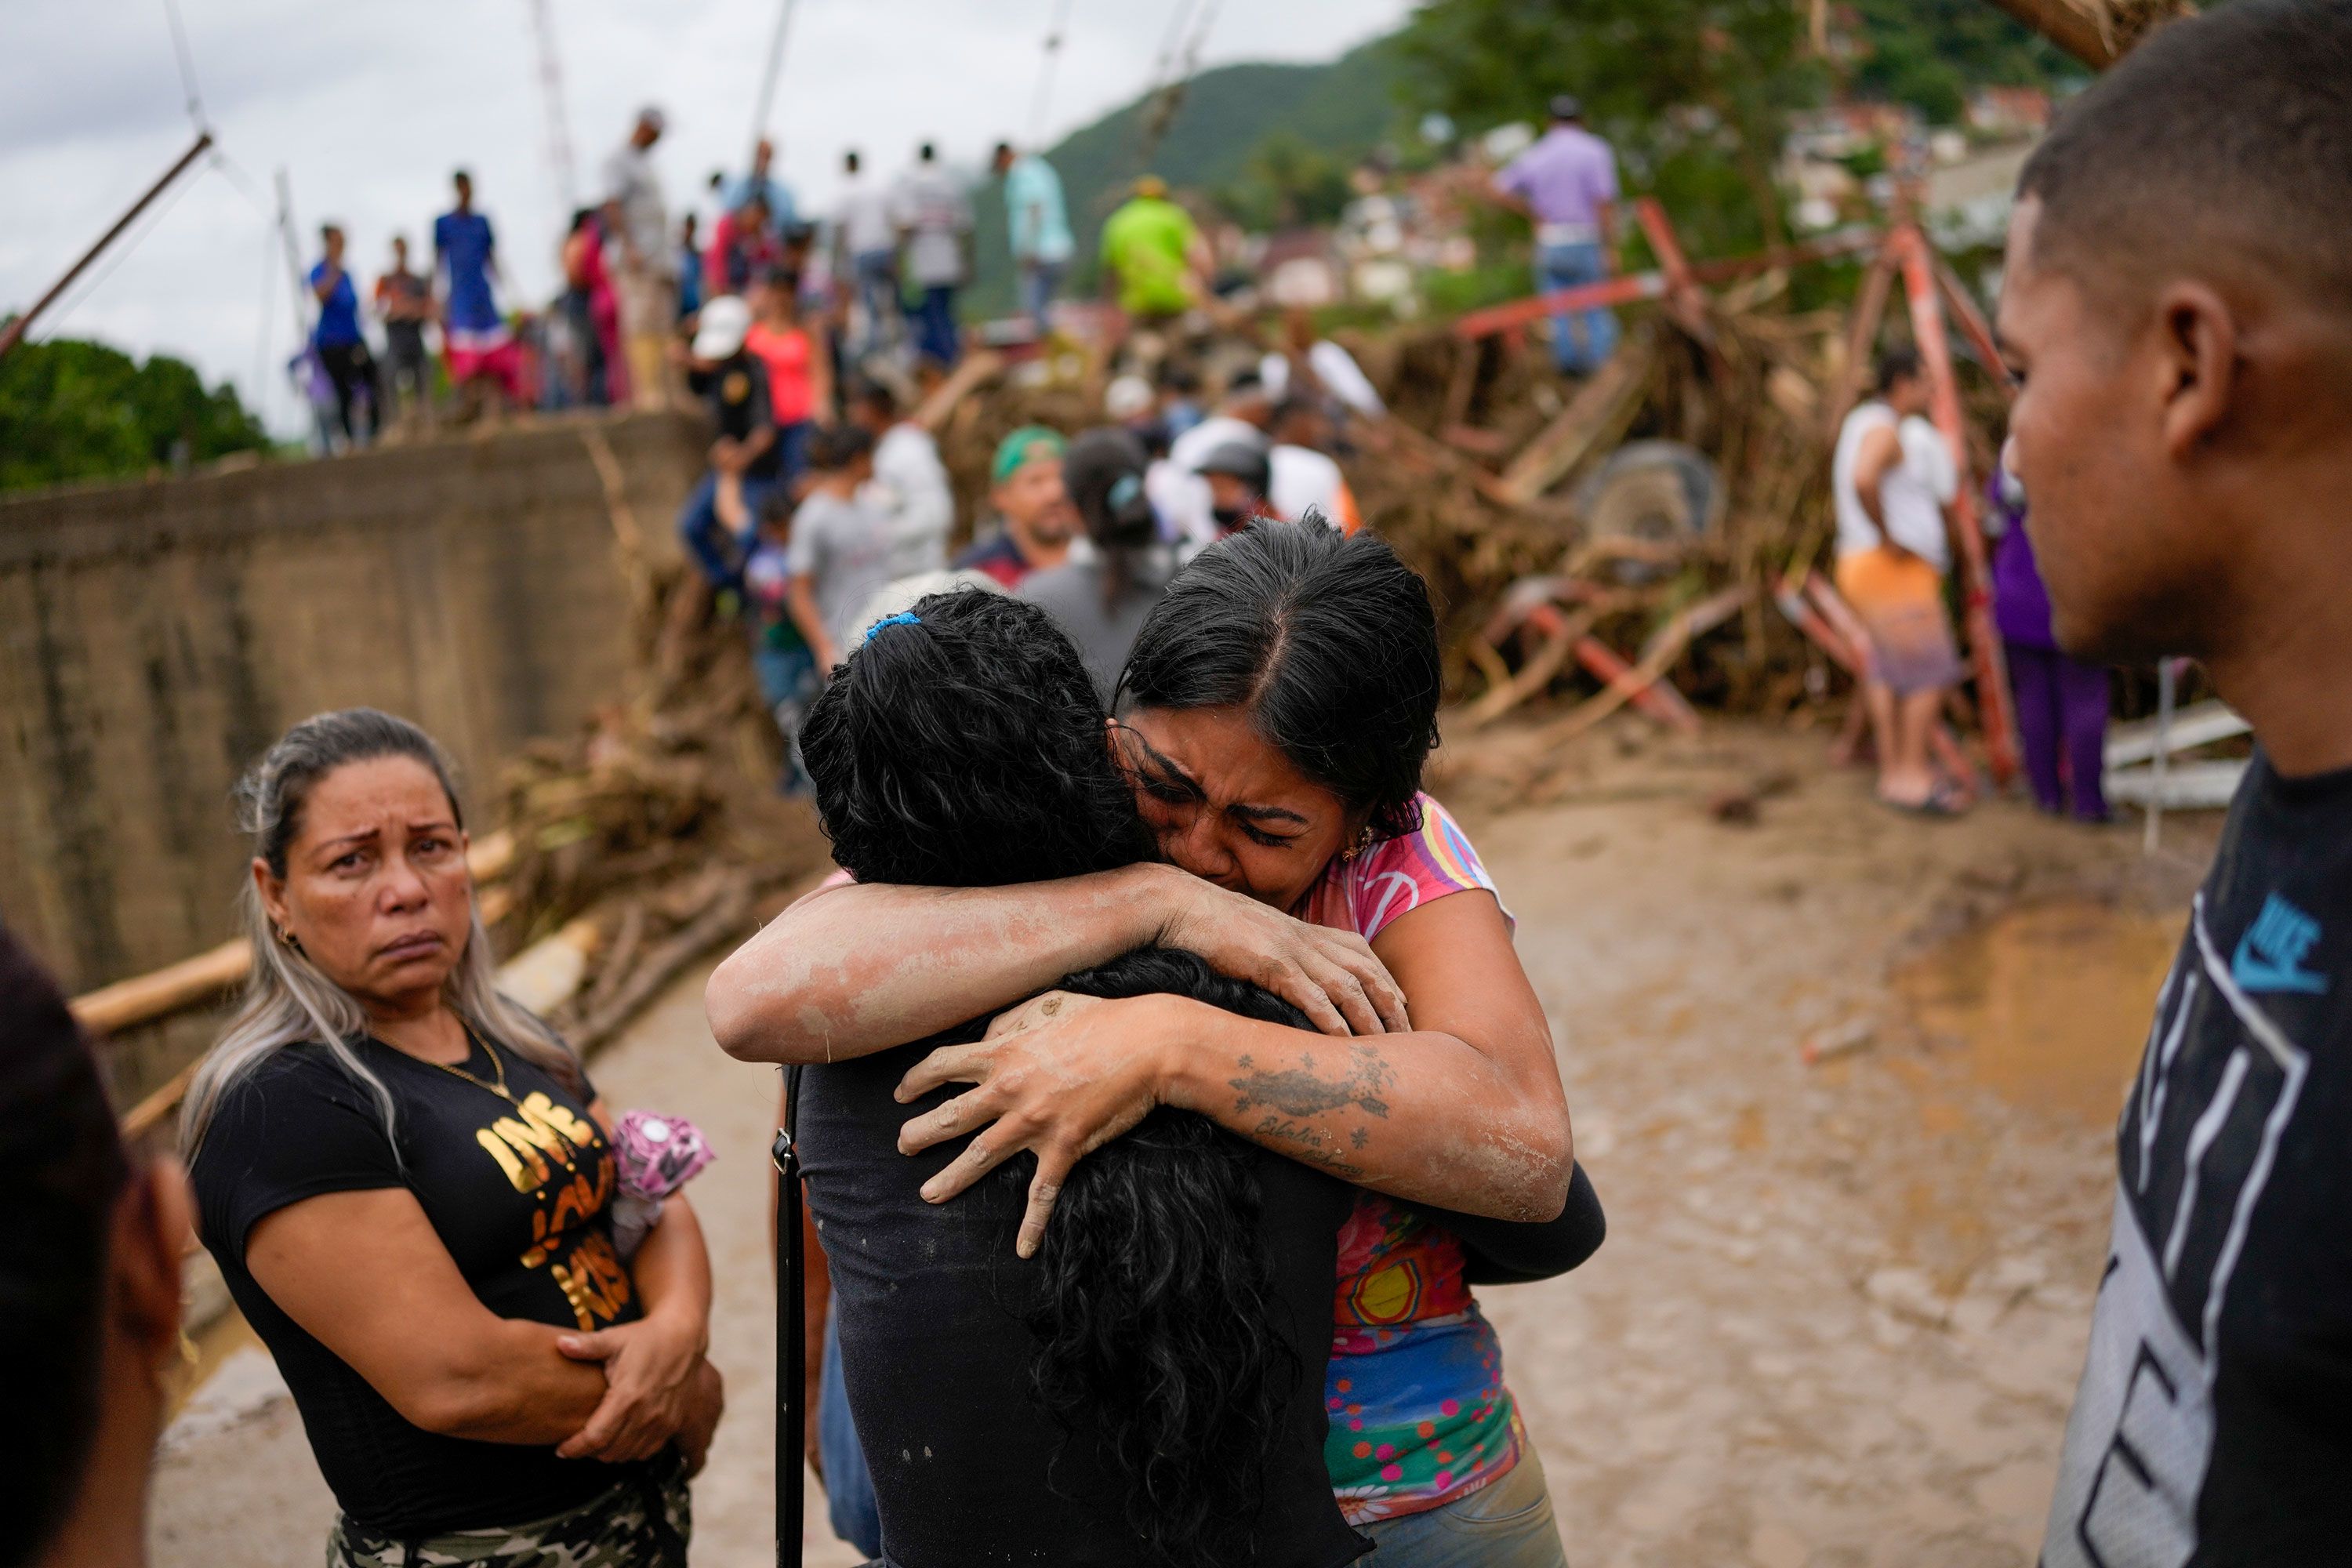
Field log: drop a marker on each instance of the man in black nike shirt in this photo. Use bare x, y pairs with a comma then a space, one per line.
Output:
2178, 301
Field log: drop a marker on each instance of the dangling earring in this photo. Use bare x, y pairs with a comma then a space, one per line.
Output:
289, 940
1363, 841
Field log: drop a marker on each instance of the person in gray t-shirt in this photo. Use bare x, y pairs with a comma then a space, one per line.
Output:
840, 553
1103, 601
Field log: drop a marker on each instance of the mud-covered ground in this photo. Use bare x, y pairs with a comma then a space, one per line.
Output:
1841, 1306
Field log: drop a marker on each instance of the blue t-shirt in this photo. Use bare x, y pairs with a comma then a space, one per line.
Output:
464, 243
782, 212
339, 312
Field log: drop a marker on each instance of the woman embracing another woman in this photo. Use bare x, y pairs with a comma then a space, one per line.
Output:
408, 1182
1277, 713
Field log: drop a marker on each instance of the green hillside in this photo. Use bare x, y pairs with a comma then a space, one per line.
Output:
1928, 53
1342, 109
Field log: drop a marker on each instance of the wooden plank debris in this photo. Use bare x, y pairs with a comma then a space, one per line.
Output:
2192, 727
1562, 635
1666, 647
1598, 414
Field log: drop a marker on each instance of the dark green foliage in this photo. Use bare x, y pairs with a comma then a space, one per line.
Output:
1290, 182
1688, 91
1930, 54
75, 410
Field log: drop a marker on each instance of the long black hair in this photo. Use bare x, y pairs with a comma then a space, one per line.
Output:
966, 747
1327, 641
1104, 470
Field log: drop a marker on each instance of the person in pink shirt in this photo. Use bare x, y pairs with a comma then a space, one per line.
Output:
799, 357
743, 249
1274, 718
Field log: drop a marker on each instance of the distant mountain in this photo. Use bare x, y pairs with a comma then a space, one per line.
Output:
1343, 108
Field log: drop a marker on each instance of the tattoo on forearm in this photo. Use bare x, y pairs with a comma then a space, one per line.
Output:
1302, 1091
1308, 1144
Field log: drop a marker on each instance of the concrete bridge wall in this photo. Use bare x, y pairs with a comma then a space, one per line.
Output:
157, 636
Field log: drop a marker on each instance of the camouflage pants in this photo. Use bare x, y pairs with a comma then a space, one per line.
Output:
640, 1524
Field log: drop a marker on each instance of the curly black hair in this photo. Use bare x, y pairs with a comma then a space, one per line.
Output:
967, 749
1327, 641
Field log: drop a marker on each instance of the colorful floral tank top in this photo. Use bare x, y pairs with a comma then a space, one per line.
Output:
1419, 1412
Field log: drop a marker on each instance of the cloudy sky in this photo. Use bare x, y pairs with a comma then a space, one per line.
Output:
367, 107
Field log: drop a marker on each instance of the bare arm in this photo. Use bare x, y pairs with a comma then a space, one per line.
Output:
1466, 1111
799, 602
366, 1275
1881, 452
850, 970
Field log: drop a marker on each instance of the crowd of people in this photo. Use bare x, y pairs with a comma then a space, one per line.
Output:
826, 505
1167, 1076
881, 276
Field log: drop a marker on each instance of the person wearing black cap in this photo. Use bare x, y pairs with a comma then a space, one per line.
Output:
1101, 600
1566, 185
1240, 478
91, 1279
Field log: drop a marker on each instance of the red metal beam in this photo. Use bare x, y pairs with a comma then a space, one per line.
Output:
1654, 696
1916, 262
14, 330
1634, 287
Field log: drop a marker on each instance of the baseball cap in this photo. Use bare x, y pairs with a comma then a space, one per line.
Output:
1024, 444
1245, 460
720, 328
1127, 397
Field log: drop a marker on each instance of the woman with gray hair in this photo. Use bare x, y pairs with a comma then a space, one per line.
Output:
407, 1180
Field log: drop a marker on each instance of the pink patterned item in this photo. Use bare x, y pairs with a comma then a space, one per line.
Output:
656, 1154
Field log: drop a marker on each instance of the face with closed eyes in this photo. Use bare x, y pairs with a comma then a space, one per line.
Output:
1227, 805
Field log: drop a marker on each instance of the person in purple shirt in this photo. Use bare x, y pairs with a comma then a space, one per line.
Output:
1566, 185
2062, 703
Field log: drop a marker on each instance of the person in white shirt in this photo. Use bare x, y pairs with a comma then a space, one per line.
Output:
933, 214
1892, 480
1305, 476
1179, 492
910, 487
646, 278
868, 234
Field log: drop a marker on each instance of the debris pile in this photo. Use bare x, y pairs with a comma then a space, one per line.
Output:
657, 832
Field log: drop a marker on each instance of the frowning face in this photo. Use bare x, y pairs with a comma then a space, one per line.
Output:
376, 891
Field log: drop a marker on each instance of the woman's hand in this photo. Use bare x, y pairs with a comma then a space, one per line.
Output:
651, 1368
1329, 976
1061, 1074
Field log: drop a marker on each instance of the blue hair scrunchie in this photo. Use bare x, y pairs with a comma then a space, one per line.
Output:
903, 618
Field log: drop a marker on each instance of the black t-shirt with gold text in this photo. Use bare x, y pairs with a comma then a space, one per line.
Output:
520, 1191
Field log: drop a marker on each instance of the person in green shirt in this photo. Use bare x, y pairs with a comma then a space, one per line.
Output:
1155, 263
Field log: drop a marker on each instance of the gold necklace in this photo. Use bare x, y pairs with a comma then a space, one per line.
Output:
500, 1087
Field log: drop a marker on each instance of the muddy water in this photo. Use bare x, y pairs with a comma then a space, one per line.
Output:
2049, 1003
